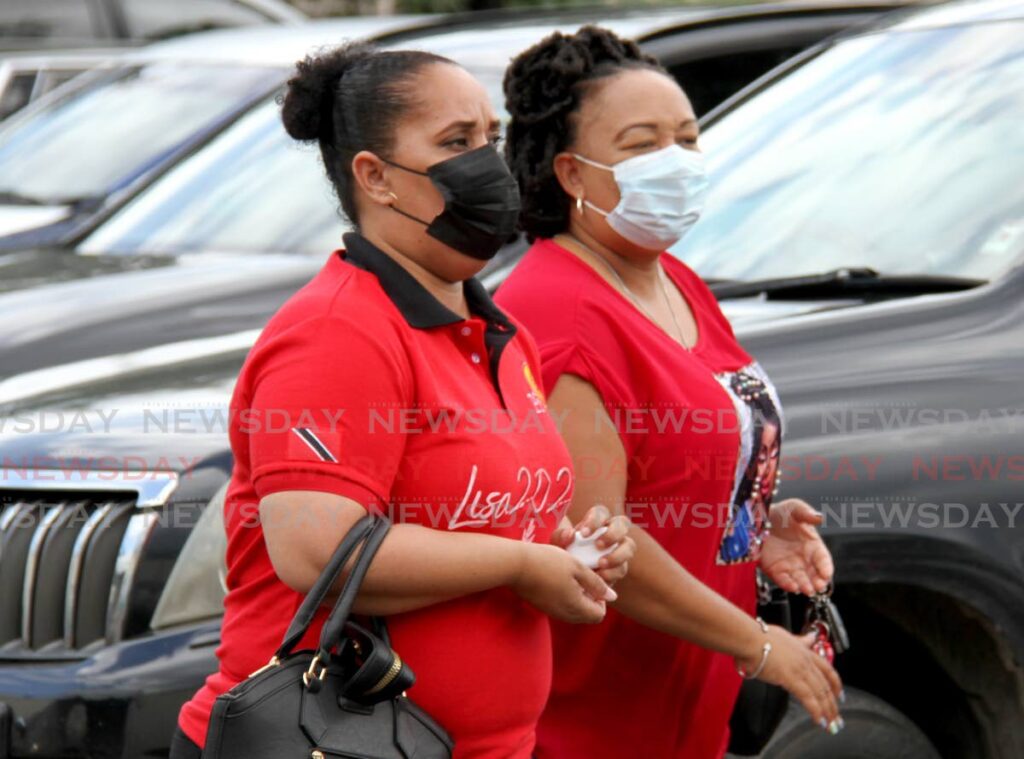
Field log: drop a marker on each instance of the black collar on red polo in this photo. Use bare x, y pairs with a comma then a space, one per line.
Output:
420, 308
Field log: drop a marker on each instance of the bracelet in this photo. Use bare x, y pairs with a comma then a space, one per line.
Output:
766, 649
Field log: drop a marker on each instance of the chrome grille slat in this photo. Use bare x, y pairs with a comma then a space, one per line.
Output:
35, 549
78, 554
17, 537
140, 527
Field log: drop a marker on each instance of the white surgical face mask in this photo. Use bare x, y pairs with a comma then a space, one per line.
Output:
661, 195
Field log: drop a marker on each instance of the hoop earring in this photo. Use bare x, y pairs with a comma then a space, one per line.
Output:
579, 204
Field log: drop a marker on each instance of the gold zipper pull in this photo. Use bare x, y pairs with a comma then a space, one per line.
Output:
274, 661
317, 754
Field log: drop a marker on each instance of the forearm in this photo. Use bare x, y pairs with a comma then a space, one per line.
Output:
418, 566
661, 594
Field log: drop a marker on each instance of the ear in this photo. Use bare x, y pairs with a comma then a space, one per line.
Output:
567, 171
370, 176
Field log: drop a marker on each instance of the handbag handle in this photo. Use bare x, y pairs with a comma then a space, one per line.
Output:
303, 618
334, 626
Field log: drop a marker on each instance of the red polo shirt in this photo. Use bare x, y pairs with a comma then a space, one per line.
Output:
364, 385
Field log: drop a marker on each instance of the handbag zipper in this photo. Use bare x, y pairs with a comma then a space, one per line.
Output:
391, 674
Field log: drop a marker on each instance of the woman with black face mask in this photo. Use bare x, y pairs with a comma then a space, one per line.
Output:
392, 382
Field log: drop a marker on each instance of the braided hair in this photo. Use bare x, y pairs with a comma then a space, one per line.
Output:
351, 98
544, 87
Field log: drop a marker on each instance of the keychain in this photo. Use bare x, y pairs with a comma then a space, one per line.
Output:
824, 620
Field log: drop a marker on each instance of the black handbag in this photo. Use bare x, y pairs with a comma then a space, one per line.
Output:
346, 698
761, 706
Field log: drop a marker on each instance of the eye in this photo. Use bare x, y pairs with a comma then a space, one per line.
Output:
688, 142
644, 145
457, 142
496, 139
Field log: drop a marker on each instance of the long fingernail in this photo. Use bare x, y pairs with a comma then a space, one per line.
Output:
842, 696
836, 725
824, 723
611, 595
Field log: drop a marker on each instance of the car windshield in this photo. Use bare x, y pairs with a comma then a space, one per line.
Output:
97, 139
252, 189
901, 151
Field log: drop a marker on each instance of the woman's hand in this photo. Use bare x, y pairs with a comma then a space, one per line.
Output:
615, 565
559, 585
793, 555
793, 665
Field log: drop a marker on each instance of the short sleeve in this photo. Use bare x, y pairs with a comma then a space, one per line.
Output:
323, 393
560, 357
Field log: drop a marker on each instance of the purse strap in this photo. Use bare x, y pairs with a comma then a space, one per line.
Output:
334, 626
303, 618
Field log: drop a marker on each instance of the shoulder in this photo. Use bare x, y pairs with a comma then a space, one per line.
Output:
546, 292
342, 315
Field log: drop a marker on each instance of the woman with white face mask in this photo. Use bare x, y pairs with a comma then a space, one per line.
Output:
669, 421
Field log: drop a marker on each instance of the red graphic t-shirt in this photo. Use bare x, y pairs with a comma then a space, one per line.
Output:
701, 430
364, 385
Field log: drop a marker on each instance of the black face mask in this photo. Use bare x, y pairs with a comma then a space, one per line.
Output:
481, 202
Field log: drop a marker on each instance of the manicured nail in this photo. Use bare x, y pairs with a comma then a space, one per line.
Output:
611, 595
842, 696
824, 723
585, 530
836, 725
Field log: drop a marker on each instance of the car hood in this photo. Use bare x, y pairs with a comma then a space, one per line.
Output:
24, 269
108, 306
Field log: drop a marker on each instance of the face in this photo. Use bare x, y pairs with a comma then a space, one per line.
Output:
452, 115
767, 462
628, 114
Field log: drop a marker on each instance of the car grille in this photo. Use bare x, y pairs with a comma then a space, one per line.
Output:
67, 558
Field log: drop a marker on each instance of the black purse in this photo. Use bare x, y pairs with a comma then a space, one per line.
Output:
344, 699
761, 706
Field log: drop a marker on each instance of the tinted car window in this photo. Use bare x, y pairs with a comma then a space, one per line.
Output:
96, 139
902, 152
157, 20
41, 19
17, 93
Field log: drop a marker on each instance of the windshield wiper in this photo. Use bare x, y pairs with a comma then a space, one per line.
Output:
854, 282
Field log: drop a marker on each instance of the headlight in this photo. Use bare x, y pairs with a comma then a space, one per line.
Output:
195, 589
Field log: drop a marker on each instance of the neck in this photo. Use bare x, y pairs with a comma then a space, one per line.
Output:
639, 274
450, 294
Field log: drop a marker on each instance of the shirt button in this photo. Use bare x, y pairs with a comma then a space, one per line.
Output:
475, 357
467, 331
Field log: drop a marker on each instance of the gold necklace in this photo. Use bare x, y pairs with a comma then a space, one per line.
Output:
633, 296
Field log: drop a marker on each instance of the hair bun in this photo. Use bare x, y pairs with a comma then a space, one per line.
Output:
306, 110
542, 81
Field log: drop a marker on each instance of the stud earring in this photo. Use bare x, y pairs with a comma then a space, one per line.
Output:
579, 204
393, 195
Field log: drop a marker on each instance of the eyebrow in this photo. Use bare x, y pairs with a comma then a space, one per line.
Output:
494, 125
685, 122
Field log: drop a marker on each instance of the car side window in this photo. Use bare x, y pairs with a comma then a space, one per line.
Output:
160, 19
45, 19
710, 81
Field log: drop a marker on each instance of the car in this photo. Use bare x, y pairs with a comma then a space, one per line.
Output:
900, 385
81, 151
58, 24
242, 192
